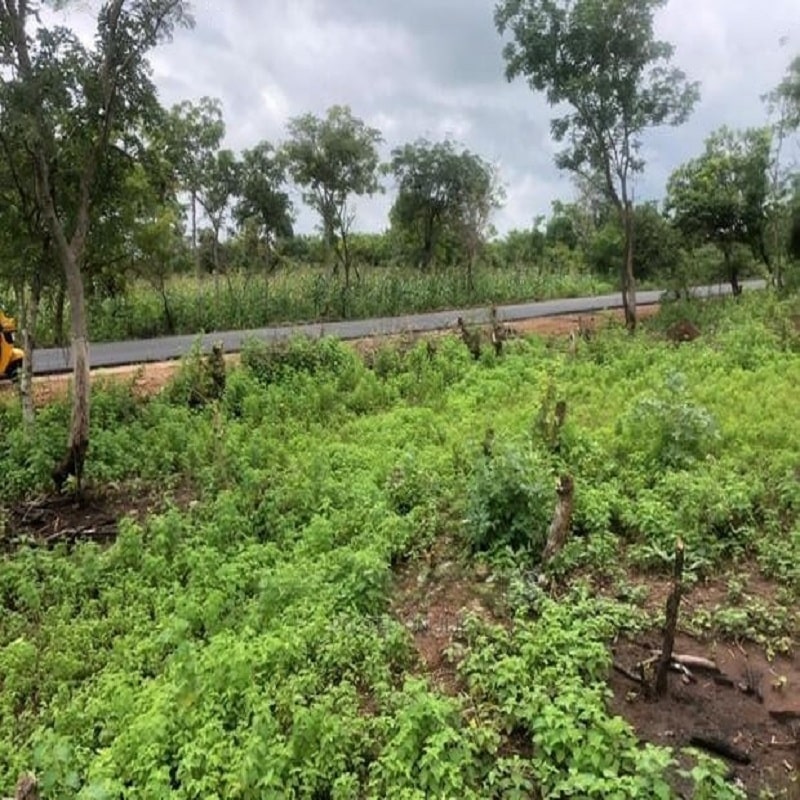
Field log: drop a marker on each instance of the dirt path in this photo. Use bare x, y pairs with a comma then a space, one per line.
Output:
147, 379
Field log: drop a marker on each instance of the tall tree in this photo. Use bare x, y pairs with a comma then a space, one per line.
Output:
220, 183
721, 197
333, 159
191, 137
443, 191
263, 202
783, 104
109, 88
789, 91
600, 58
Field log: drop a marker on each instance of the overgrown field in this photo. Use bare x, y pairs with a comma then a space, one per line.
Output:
299, 294
244, 641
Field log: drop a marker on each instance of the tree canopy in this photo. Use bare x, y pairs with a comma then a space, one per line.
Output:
721, 196
442, 191
333, 159
599, 58
73, 110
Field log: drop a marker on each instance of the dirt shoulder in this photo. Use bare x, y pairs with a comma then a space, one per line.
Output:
147, 379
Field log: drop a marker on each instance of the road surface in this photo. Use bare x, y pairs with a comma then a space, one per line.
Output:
115, 354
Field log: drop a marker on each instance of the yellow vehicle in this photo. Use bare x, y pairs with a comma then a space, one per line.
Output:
10, 356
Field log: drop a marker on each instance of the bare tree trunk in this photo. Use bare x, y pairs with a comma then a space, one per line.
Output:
78, 442
628, 278
732, 270
29, 311
195, 252
61, 300
671, 623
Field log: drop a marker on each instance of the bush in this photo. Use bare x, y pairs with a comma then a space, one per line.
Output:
510, 501
271, 362
668, 430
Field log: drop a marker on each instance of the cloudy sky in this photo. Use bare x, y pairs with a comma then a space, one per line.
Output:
434, 68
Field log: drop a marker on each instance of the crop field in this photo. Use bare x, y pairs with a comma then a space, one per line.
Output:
325, 578
241, 300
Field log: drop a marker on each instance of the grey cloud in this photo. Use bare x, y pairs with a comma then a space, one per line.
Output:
434, 68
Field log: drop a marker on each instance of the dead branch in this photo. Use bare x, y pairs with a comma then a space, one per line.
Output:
673, 604
627, 673
88, 532
691, 662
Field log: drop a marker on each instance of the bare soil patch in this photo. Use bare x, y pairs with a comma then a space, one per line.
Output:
754, 707
752, 704
432, 597
55, 519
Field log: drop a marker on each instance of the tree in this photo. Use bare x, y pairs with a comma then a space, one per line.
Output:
107, 89
443, 191
721, 197
784, 109
788, 91
220, 182
191, 137
600, 58
333, 159
263, 203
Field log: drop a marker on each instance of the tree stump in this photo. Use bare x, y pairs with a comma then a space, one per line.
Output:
561, 525
27, 788
671, 623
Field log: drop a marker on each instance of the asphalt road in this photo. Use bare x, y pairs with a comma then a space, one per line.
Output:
114, 354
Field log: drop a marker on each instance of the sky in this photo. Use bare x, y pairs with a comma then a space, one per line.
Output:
434, 69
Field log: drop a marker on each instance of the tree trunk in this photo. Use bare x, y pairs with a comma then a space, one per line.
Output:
29, 311
195, 252
628, 278
471, 256
71, 465
61, 300
733, 272
27, 788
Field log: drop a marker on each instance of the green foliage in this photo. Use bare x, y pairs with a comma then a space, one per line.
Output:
200, 378
720, 197
245, 300
442, 195
564, 49
669, 430
244, 645
332, 159
270, 363
510, 500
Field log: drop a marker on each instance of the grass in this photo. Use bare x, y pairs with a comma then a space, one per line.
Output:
245, 647
241, 301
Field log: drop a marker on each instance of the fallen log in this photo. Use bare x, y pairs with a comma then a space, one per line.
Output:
720, 747
785, 715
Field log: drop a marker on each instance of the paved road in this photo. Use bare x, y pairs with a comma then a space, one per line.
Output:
113, 354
